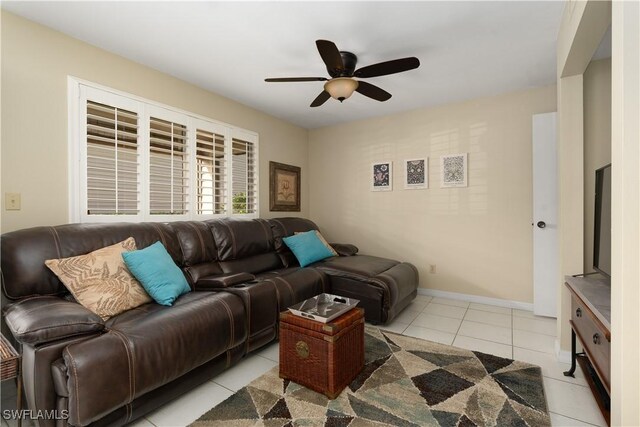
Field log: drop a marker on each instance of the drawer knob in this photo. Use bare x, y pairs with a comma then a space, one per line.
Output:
302, 348
596, 338
578, 313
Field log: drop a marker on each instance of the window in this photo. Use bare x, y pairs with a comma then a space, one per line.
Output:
134, 160
168, 168
245, 193
112, 160
211, 155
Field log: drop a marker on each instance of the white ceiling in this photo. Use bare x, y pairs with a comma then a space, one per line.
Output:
466, 49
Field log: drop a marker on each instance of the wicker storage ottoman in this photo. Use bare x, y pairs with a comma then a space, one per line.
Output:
324, 357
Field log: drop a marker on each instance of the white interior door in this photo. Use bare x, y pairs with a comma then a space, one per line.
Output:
545, 211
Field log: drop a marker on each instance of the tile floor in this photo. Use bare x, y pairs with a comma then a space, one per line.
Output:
504, 332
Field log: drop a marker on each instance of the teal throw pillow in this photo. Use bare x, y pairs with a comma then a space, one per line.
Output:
159, 275
307, 248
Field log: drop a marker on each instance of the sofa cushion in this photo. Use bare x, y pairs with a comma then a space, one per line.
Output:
307, 247
199, 252
252, 264
39, 320
275, 273
100, 280
238, 239
148, 347
196, 272
196, 242
363, 265
344, 249
155, 269
288, 226
298, 284
288, 259
23, 252
223, 281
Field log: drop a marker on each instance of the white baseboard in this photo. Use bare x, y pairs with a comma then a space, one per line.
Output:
478, 299
563, 356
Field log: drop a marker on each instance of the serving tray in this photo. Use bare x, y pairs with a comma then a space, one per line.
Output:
324, 307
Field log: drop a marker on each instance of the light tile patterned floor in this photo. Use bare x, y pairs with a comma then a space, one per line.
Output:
505, 332
516, 334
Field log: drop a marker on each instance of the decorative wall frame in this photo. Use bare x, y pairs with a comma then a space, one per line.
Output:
382, 176
416, 174
453, 170
284, 187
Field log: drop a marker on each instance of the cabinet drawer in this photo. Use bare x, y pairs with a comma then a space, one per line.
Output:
593, 339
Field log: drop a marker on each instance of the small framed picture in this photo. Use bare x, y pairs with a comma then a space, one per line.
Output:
284, 187
453, 170
382, 176
416, 174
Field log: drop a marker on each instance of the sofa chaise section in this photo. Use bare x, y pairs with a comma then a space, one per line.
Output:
383, 286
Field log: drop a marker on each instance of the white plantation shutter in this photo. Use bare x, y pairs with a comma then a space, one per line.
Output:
112, 186
211, 173
244, 177
135, 160
168, 168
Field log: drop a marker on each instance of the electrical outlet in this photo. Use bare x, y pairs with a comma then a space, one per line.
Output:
432, 268
12, 201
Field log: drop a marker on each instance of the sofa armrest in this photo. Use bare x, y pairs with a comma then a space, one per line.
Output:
43, 319
344, 249
221, 282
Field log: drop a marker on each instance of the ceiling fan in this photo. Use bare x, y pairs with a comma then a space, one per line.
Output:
341, 66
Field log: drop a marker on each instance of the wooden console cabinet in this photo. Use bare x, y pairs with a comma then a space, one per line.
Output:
591, 323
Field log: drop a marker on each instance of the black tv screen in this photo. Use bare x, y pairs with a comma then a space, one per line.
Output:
602, 220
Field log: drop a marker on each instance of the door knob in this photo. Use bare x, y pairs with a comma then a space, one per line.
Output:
541, 224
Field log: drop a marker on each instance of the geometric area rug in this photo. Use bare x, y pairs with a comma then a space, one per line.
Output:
405, 382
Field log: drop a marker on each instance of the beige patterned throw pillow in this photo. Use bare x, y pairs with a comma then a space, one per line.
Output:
100, 280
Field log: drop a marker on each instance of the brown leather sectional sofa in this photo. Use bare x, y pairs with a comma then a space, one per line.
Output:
241, 274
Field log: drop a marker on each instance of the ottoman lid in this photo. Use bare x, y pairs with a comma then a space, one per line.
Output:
332, 328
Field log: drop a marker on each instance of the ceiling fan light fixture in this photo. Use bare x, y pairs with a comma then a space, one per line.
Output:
341, 66
341, 88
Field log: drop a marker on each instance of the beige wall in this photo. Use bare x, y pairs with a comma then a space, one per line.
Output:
582, 27
625, 159
35, 64
570, 196
478, 237
597, 141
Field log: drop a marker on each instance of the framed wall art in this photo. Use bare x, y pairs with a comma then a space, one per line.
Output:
284, 187
382, 176
453, 170
416, 174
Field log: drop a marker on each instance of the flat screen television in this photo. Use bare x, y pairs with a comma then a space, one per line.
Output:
602, 222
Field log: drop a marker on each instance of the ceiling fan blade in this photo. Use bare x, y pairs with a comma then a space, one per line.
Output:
372, 91
388, 67
331, 57
296, 79
320, 99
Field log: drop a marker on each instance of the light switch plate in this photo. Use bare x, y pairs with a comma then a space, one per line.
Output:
12, 201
